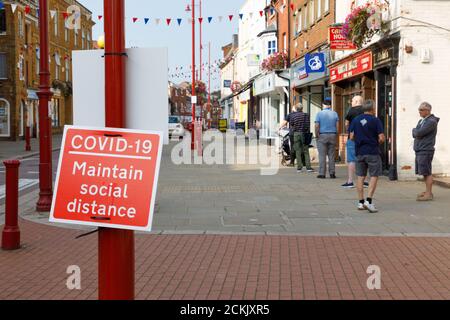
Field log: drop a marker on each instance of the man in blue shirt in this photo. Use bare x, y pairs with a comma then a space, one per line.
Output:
367, 132
327, 123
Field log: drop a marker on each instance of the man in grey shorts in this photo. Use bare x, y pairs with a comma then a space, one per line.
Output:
424, 141
367, 132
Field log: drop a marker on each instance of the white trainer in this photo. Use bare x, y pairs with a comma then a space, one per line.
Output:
371, 207
361, 206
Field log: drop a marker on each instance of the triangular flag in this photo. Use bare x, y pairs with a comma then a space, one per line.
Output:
272, 11
190, 20
210, 19
65, 15
250, 14
220, 18
135, 19
100, 17
200, 20
157, 21
27, 9
292, 7
179, 21
37, 13
261, 13
168, 20
52, 14
241, 15
13, 7
282, 9
146, 20
230, 17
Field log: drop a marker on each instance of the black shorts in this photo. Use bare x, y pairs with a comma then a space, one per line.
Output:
369, 163
424, 164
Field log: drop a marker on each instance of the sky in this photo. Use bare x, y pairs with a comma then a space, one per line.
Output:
176, 38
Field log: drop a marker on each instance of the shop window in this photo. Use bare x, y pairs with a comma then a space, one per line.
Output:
21, 67
67, 70
55, 24
38, 60
4, 118
305, 17
319, 9
300, 21
3, 66
2, 21
66, 34
21, 118
55, 113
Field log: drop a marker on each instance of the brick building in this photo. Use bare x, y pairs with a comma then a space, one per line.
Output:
19, 63
180, 102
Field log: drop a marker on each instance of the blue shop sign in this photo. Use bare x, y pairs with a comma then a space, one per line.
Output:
315, 62
227, 83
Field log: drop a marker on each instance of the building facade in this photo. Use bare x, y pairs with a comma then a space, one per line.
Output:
70, 28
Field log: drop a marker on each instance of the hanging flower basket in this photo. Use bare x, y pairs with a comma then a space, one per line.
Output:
364, 22
277, 61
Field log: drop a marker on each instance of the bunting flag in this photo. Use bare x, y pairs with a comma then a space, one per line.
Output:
220, 18
135, 19
100, 17
282, 9
200, 20
241, 15
13, 7
292, 7
261, 13
179, 20
52, 13
27, 9
210, 19
146, 20
230, 17
65, 15
168, 20
157, 21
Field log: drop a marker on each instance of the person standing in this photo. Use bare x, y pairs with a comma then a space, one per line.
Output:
299, 124
354, 111
327, 124
424, 146
367, 132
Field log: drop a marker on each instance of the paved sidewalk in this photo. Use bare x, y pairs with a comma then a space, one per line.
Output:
16, 149
231, 267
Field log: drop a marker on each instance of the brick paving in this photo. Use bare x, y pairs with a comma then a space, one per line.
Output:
241, 267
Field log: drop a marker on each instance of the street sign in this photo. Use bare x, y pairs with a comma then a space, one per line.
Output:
337, 41
107, 178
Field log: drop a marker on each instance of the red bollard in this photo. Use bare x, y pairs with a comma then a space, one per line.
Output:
11, 232
27, 139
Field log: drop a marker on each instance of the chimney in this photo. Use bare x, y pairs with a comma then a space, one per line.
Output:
235, 40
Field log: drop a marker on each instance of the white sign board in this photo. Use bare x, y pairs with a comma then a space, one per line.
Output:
146, 87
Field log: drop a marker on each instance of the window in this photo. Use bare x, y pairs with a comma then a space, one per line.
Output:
20, 23
271, 47
66, 34
3, 66
305, 17
88, 40
76, 37
21, 118
83, 39
4, 118
326, 6
284, 42
21, 67
319, 9
55, 112
38, 60
2, 21
300, 22
67, 70
311, 12
55, 24
57, 65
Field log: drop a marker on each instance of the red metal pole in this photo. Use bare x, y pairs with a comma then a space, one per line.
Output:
45, 137
209, 84
201, 43
193, 76
115, 247
11, 232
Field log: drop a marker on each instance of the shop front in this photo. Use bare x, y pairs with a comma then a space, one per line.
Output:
350, 77
272, 103
309, 85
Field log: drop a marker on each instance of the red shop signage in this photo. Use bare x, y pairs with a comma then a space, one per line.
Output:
338, 41
351, 67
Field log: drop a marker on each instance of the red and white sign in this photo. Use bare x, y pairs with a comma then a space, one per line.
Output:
107, 178
338, 41
351, 67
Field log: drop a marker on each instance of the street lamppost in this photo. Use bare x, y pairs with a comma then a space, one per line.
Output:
45, 138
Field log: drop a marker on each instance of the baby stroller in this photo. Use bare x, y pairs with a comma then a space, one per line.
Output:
285, 147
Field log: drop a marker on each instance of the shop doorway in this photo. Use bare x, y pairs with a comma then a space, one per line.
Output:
384, 113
